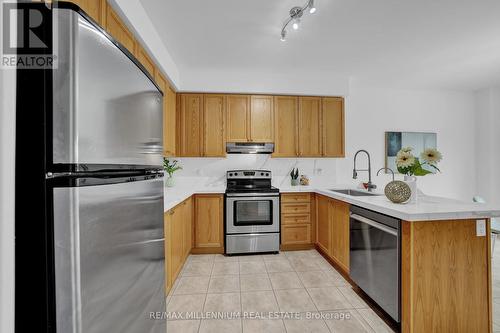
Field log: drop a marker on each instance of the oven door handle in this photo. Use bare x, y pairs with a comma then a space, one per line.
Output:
375, 224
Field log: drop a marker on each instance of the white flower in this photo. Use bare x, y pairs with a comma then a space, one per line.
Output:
404, 159
431, 156
406, 149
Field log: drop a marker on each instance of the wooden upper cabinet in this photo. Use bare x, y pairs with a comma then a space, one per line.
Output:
96, 9
209, 221
323, 226
169, 119
309, 127
238, 121
333, 126
285, 126
261, 119
116, 28
190, 125
214, 143
145, 59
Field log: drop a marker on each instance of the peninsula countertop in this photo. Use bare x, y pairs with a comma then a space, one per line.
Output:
427, 208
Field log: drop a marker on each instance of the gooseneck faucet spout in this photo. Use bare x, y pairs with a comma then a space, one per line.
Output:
370, 185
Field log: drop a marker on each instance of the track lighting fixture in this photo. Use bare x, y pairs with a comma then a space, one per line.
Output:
295, 15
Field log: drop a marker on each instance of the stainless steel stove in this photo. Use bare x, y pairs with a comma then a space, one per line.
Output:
252, 219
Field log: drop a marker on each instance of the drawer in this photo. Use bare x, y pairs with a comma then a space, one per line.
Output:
295, 197
295, 219
296, 234
296, 208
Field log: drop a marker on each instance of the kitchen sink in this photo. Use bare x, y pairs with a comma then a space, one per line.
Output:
355, 193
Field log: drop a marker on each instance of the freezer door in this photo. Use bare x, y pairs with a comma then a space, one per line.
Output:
109, 257
105, 109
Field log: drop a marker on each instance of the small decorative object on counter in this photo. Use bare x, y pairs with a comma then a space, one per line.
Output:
304, 180
411, 166
397, 191
294, 174
170, 168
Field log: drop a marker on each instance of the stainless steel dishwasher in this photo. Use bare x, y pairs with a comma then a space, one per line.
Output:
375, 257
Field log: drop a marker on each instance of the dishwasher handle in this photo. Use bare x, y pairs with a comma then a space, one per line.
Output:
375, 224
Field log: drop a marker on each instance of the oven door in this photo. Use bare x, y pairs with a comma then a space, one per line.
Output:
252, 214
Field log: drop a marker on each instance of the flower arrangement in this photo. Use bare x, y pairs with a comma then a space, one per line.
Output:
410, 165
170, 167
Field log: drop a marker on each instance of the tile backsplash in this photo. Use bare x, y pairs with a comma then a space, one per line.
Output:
319, 170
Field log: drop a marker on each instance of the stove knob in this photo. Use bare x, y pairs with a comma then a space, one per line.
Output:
262, 174
230, 174
267, 174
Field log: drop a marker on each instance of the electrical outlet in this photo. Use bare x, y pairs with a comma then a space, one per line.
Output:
480, 228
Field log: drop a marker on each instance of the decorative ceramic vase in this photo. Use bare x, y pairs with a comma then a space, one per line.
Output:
295, 182
170, 181
412, 183
397, 191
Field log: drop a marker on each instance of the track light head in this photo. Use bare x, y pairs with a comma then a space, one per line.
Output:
295, 15
312, 8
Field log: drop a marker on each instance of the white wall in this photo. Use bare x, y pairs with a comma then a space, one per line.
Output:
7, 156
487, 128
372, 110
268, 82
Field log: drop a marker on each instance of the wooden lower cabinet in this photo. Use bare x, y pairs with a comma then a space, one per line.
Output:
178, 236
323, 225
296, 221
209, 223
339, 219
332, 229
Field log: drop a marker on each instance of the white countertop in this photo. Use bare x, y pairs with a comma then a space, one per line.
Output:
426, 209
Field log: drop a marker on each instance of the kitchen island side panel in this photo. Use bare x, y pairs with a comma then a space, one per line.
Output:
446, 277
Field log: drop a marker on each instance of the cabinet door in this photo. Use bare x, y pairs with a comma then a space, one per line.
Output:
261, 119
187, 214
167, 229
190, 125
168, 115
323, 227
174, 246
238, 118
333, 126
309, 126
214, 143
340, 233
117, 29
285, 126
209, 221
145, 60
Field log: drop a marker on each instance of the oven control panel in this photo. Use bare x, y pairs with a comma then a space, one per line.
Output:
248, 174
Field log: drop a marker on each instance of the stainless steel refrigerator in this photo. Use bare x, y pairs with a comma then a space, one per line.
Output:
89, 186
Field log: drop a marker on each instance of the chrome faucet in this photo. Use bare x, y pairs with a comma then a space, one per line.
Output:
370, 186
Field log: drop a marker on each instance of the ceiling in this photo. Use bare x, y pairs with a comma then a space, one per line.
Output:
445, 44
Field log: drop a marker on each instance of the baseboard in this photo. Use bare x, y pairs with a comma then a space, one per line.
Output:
296, 247
207, 250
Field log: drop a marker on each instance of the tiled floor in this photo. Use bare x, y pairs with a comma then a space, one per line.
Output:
495, 272
252, 291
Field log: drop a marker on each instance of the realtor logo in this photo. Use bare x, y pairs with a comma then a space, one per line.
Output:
26, 40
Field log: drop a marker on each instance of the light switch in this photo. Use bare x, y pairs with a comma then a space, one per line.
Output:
480, 228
